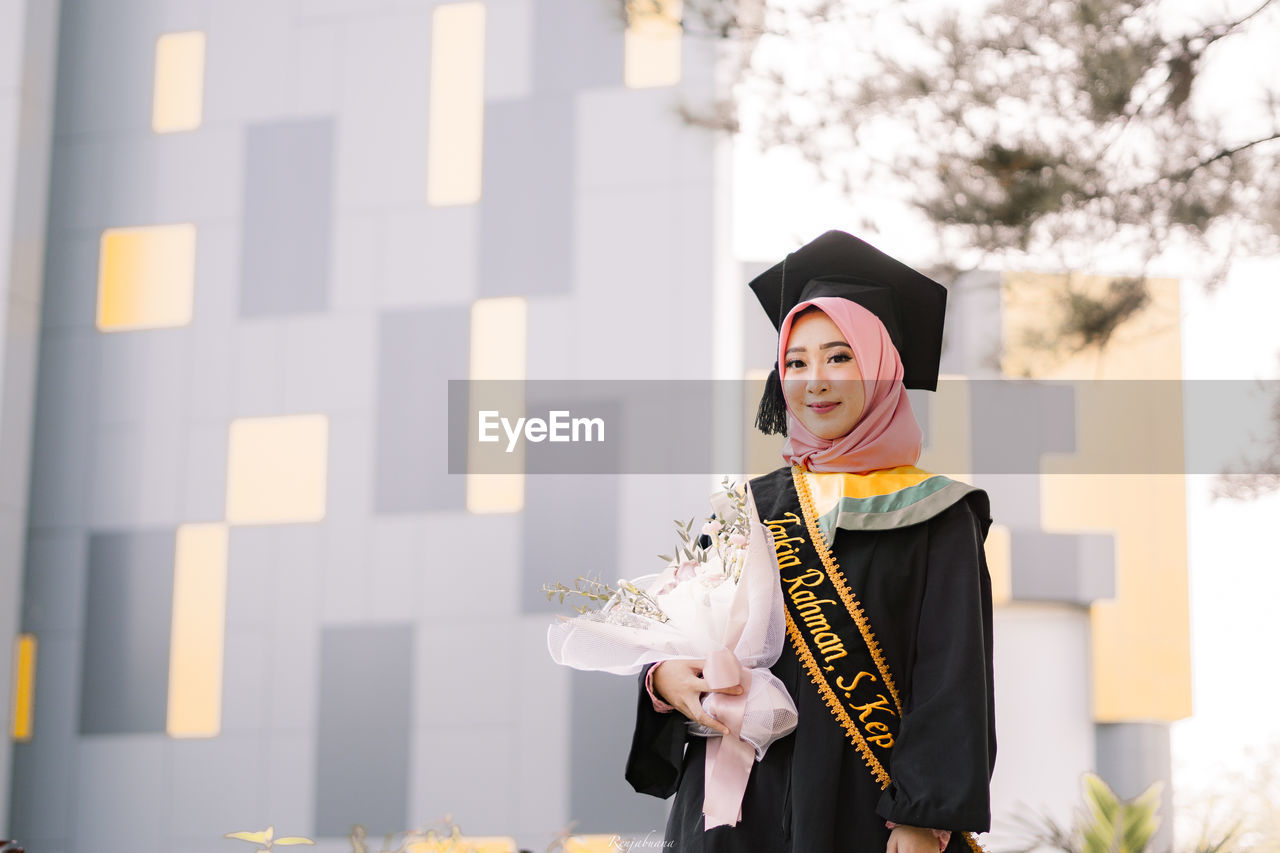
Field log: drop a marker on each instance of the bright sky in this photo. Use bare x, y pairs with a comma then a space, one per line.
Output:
1232, 333
1234, 561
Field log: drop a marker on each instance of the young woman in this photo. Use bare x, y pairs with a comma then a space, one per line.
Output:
888, 599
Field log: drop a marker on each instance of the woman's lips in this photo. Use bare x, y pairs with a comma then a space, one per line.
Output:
822, 408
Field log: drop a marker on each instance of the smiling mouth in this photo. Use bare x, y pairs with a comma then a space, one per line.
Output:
822, 408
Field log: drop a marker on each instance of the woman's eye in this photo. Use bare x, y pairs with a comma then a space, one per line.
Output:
793, 364
840, 356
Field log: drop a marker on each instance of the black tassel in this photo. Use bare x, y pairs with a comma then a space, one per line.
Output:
771, 417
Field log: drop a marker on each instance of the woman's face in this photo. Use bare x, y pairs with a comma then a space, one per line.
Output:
820, 377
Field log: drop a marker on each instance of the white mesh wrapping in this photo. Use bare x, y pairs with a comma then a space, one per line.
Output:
746, 617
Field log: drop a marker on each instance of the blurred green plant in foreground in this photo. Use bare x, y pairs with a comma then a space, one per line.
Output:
1106, 825
267, 839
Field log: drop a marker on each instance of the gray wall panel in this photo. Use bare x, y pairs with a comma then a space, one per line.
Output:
542, 732
79, 188
526, 217
427, 256
418, 352
53, 587
288, 210
64, 430
603, 713
1076, 568
582, 507
106, 54
362, 739
290, 767
128, 609
191, 176
70, 297
216, 784
478, 788
121, 794
1010, 437
576, 44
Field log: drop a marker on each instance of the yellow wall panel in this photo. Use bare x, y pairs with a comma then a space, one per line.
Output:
177, 102
455, 128
22, 713
1141, 638
199, 625
1146, 346
146, 277
499, 333
652, 43
277, 469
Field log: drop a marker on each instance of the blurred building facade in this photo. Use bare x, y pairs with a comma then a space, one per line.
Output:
247, 245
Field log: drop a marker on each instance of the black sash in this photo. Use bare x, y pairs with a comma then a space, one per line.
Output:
828, 628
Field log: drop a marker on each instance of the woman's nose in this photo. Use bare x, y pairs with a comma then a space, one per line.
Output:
816, 380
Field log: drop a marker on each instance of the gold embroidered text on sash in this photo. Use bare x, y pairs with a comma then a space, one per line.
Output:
827, 640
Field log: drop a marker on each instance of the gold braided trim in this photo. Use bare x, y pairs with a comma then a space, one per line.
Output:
860, 618
842, 587
833, 702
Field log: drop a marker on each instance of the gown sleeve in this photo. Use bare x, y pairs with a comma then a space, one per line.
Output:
942, 761
657, 747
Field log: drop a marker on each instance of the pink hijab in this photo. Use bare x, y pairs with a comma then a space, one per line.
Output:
886, 435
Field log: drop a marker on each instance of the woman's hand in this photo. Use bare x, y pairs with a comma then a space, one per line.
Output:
679, 683
911, 839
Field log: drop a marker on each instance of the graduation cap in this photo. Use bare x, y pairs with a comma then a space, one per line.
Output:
911, 306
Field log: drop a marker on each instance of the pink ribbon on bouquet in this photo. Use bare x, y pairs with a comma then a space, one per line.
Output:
729, 757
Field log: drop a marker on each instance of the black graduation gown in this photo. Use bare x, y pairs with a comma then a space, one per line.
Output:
927, 594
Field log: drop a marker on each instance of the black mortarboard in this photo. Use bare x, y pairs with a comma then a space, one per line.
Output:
911, 306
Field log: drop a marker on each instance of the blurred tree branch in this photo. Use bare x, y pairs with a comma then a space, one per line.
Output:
1253, 476
1042, 126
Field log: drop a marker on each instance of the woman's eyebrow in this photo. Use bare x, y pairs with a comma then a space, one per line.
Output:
828, 345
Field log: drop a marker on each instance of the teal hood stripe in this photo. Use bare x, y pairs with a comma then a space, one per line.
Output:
911, 505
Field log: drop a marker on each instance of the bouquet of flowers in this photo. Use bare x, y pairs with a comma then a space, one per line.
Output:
718, 600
